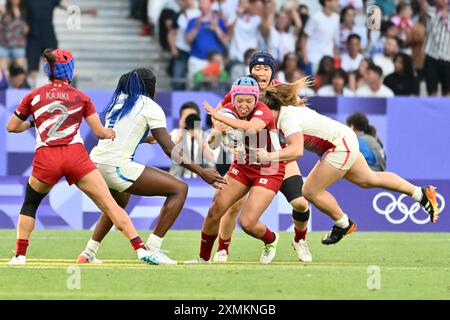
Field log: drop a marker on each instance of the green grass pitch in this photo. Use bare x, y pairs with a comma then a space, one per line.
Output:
412, 266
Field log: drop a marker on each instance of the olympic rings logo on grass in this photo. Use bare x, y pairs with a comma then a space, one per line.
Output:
408, 212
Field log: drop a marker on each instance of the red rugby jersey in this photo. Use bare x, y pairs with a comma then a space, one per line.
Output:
57, 109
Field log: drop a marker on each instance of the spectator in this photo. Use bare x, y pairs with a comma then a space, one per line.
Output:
165, 22
416, 40
288, 67
377, 39
277, 31
41, 33
437, 47
18, 77
370, 145
337, 87
352, 59
179, 48
358, 78
204, 34
374, 87
13, 30
403, 81
348, 27
241, 69
386, 60
402, 21
213, 76
323, 76
303, 12
192, 140
244, 30
320, 33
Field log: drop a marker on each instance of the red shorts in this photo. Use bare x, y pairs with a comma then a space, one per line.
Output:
52, 163
252, 176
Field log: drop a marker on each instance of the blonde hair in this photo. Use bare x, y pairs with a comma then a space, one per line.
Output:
286, 94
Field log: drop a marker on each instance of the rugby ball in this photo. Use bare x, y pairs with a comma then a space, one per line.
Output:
232, 137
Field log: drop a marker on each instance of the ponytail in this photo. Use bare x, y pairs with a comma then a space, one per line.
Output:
136, 83
285, 94
370, 130
50, 59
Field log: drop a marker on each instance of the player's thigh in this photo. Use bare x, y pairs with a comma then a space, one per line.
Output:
225, 198
292, 169
94, 186
39, 186
258, 201
156, 182
321, 177
360, 172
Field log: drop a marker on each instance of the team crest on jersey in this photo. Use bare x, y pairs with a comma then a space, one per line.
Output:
263, 181
258, 113
235, 171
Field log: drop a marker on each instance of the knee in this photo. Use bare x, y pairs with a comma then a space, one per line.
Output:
182, 190
308, 192
300, 204
217, 210
247, 224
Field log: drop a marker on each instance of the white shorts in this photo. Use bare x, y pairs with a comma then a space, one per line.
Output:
123, 177
344, 155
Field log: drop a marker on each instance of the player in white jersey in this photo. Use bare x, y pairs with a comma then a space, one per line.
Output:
133, 113
337, 145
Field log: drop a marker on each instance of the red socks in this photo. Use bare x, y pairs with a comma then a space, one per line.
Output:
268, 237
224, 244
300, 235
21, 247
206, 246
137, 243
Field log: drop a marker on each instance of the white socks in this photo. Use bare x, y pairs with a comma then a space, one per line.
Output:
342, 222
417, 194
91, 248
154, 242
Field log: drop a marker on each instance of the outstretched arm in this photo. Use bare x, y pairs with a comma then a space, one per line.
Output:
210, 176
292, 151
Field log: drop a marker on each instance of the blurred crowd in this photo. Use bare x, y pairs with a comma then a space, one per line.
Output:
348, 47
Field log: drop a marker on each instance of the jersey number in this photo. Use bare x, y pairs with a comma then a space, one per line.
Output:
53, 132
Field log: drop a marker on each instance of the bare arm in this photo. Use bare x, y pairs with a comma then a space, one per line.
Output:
268, 18
254, 124
190, 36
16, 125
96, 126
292, 151
210, 176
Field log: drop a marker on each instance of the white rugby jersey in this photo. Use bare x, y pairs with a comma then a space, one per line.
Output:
130, 131
320, 132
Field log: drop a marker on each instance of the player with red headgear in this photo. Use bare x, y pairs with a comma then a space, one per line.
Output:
263, 67
58, 109
261, 182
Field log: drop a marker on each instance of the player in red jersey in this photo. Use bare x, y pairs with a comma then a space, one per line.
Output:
58, 109
263, 67
261, 182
